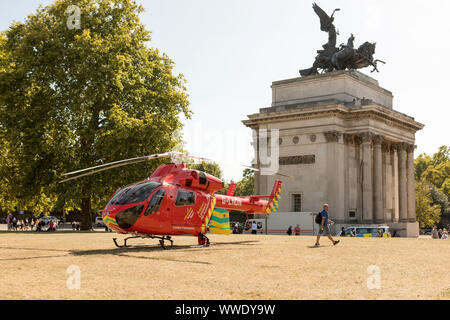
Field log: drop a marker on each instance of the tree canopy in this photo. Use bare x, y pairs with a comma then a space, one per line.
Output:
209, 167
432, 174
72, 98
246, 186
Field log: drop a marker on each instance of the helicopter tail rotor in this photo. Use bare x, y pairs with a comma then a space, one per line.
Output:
275, 197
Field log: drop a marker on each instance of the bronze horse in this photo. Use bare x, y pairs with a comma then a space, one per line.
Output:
344, 57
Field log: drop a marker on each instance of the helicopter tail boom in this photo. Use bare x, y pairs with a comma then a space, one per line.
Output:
252, 204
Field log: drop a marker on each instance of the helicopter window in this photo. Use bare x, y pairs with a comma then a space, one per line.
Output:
155, 202
202, 178
185, 198
137, 193
118, 194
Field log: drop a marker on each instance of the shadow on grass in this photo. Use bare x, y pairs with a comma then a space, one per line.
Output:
33, 258
125, 252
151, 248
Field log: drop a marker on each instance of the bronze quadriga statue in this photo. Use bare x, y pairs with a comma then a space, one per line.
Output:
346, 56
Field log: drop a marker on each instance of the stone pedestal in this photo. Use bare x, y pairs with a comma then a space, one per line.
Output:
404, 229
342, 86
345, 145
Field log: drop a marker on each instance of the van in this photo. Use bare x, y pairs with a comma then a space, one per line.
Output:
365, 231
99, 222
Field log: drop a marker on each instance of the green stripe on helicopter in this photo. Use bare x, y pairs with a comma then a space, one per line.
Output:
220, 222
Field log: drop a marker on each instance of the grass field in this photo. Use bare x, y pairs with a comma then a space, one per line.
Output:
33, 266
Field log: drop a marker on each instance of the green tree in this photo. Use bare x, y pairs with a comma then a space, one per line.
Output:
421, 163
428, 214
435, 170
432, 174
246, 186
7, 201
209, 167
73, 98
438, 197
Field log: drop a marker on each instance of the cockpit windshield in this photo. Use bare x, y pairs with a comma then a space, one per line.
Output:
155, 203
134, 194
117, 195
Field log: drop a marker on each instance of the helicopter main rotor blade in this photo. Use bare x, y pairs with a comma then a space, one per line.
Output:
275, 173
117, 162
199, 158
112, 165
176, 156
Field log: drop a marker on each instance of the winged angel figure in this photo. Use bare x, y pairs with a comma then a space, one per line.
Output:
345, 57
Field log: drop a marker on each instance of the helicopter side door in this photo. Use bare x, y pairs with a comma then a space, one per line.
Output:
187, 210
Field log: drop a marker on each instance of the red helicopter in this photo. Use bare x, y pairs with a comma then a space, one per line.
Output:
175, 200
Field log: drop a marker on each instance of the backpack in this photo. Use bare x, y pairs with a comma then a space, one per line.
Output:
318, 218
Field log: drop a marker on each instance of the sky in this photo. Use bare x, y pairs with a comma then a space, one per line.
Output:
231, 51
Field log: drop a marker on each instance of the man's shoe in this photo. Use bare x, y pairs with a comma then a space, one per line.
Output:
336, 242
317, 244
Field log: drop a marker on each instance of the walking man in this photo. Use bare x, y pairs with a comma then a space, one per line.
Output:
254, 227
325, 226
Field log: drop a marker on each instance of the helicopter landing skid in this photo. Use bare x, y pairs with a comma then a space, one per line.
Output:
161, 241
203, 240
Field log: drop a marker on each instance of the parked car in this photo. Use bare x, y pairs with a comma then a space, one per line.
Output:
47, 220
99, 222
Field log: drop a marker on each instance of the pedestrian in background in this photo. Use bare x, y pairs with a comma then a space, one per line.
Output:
289, 230
9, 221
14, 223
434, 233
254, 227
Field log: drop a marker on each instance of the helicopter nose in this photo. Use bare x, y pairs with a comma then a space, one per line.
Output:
127, 218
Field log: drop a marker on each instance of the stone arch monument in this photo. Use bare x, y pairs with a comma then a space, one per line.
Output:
344, 144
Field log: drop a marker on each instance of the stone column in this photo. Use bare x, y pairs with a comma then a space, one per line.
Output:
367, 196
378, 180
402, 187
335, 175
387, 182
395, 202
348, 141
411, 185
256, 148
359, 178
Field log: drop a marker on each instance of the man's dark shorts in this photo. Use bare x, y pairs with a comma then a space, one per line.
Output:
325, 231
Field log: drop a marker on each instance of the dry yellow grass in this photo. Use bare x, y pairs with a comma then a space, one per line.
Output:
33, 266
